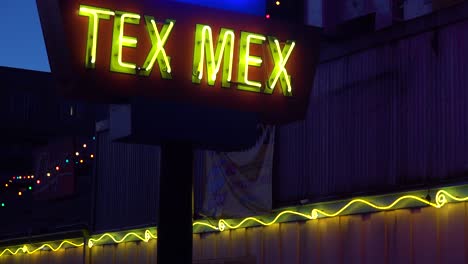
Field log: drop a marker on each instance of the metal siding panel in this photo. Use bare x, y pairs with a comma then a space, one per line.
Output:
425, 236
127, 184
456, 234
289, 243
271, 244
239, 248
375, 237
391, 116
352, 239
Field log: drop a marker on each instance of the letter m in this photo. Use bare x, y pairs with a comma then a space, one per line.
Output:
204, 52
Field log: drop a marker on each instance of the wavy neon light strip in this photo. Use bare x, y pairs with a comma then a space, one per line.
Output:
442, 198
146, 238
91, 242
25, 249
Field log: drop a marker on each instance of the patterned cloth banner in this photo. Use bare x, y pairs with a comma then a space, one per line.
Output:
239, 184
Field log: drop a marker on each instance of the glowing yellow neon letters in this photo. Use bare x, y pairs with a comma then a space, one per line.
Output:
204, 44
157, 52
246, 60
119, 41
280, 58
94, 14
204, 52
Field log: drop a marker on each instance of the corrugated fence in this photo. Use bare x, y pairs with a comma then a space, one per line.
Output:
127, 184
391, 116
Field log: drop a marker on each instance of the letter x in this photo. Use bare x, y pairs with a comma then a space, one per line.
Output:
157, 51
280, 58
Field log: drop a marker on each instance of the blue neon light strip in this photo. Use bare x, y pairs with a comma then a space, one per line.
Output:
253, 7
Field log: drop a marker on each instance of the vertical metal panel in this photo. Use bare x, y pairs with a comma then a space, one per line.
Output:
131, 252
127, 184
391, 116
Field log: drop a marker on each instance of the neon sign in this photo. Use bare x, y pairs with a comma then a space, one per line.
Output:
179, 53
205, 53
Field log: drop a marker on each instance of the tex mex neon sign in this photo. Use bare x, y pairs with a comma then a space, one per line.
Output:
215, 57
178, 53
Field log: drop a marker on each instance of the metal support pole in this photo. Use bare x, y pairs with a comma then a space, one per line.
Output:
175, 204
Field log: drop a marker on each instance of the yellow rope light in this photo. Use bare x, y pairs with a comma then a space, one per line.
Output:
146, 238
11, 252
25, 249
223, 224
316, 212
91, 242
442, 197
205, 224
52, 248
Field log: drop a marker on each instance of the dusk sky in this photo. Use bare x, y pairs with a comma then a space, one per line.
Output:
23, 45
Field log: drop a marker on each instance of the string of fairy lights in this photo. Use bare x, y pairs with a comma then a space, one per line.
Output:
18, 185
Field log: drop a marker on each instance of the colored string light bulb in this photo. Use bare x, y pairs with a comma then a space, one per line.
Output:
84, 146
81, 161
67, 161
38, 181
32, 176
3, 204
6, 184
57, 168
30, 188
77, 153
92, 156
48, 174
20, 193
267, 16
278, 3
94, 138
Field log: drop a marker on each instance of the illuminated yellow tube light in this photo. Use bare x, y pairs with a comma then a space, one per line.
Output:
145, 238
442, 198
100, 239
46, 246
94, 14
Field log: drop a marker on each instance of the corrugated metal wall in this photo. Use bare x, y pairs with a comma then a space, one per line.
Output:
131, 252
425, 235
391, 116
127, 184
